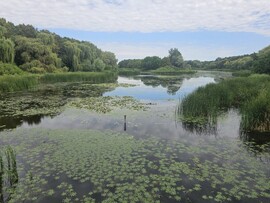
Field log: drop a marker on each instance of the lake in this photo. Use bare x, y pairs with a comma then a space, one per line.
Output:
73, 144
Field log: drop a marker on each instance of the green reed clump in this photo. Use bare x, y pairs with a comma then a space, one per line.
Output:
250, 95
8, 174
17, 83
256, 112
11, 166
92, 77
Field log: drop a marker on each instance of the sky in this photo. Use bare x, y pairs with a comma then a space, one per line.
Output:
202, 30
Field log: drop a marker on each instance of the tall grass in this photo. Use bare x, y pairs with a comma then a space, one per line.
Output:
167, 70
251, 95
17, 83
128, 71
92, 77
26, 82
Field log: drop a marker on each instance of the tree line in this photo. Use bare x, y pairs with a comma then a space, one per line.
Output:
174, 59
255, 62
43, 51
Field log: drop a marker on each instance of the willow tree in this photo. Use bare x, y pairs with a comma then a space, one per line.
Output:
6, 50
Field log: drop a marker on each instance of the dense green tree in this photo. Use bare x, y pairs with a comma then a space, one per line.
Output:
26, 31
176, 58
151, 63
131, 63
6, 50
99, 65
30, 49
262, 61
165, 61
72, 56
109, 59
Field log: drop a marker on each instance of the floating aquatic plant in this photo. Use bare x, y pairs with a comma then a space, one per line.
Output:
116, 167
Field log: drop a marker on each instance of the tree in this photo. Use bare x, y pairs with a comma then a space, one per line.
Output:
176, 58
99, 65
166, 61
151, 63
6, 50
109, 59
262, 61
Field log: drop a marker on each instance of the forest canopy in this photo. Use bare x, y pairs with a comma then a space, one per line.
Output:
43, 51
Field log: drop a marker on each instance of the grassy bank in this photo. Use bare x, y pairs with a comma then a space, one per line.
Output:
128, 72
18, 83
251, 95
91, 77
26, 82
172, 71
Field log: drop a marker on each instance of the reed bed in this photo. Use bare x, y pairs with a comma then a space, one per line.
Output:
14, 83
128, 72
251, 95
92, 77
10, 83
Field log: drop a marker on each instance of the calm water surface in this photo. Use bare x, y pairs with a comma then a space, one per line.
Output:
162, 95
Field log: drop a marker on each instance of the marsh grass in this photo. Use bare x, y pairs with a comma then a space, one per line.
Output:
128, 71
17, 83
92, 77
250, 95
167, 70
26, 82
8, 174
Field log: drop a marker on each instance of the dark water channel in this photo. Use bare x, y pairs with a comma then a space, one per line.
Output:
208, 158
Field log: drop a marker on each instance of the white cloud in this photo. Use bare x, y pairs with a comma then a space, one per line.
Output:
189, 51
142, 15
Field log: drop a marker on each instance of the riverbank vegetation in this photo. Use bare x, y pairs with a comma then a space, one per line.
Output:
255, 62
169, 70
12, 83
250, 95
171, 64
42, 51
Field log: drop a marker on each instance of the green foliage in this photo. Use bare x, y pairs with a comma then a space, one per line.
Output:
32, 53
262, 61
6, 50
42, 51
128, 71
8, 174
151, 62
17, 83
250, 95
176, 58
109, 60
242, 73
9, 69
99, 65
169, 70
130, 64
92, 77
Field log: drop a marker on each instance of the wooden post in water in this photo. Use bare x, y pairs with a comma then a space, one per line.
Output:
125, 122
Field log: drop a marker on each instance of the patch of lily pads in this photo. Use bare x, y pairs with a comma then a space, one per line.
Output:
107, 104
95, 166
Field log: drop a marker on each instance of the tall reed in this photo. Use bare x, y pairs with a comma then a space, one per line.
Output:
92, 77
251, 95
17, 83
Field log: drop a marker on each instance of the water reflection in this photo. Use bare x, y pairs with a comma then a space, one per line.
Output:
159, 87
14, 122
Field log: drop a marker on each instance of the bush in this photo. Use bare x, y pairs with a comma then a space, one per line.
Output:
10, 69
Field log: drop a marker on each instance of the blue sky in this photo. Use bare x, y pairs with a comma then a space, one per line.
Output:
201, 30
